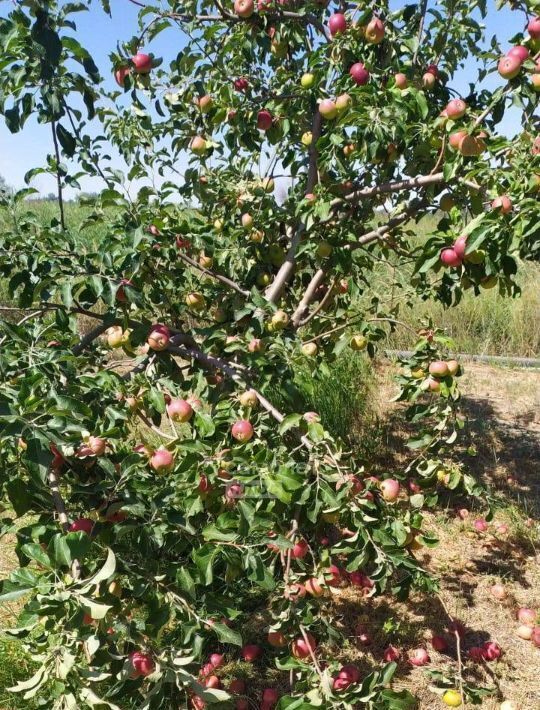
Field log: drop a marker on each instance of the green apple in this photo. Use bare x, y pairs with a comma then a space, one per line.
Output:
307, 80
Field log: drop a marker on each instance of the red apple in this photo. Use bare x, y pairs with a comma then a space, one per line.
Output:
349, 672
503, 204
314, 587
121, 75
212, 681
534, 27
480, 525
93, 446
450, 258
303, 648
509, 67
242, 430
535, 637
328, 109
439, 643
429, 80
237, 686
270, 698
400, 80
251, 652
438, 368
276, 639
492, 650
300, 549
142, 63
241, 84
419, 657
264, 120
391, 654
256, 345
179, 410
460, 245
84, 525
337, 23
359, 74
527, 616
159, 337
456, 108
456, 138
141, 663
476, 653
162, 460
433, 69
519, 51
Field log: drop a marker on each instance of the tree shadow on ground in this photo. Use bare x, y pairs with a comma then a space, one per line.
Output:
406, 626
507, 454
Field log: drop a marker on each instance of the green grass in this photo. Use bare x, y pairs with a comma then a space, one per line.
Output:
486, 324
15, 665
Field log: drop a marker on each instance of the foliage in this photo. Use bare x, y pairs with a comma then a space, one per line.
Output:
154, 542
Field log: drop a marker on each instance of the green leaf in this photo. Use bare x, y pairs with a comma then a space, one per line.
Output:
226, 634
19, 496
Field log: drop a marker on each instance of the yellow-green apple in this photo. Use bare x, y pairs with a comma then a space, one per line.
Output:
358, 342
244, 8
195, 301
374, 31
279, 320
327, 109
249, 399
307, 80
198, 145
310, 349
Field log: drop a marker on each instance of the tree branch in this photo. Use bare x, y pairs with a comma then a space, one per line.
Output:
218, 277
285, 272
309, 295
58, 176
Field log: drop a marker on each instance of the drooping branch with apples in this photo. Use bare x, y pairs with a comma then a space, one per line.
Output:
180, 519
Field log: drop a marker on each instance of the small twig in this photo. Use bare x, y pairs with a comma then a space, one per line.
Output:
218, 277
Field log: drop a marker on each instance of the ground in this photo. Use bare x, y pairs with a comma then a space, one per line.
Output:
503, 409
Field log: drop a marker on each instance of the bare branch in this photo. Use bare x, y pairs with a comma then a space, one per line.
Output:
285, 272
309, 295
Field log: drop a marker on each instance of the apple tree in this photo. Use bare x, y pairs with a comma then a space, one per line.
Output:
181, 522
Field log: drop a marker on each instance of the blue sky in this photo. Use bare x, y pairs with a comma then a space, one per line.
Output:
100, 34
